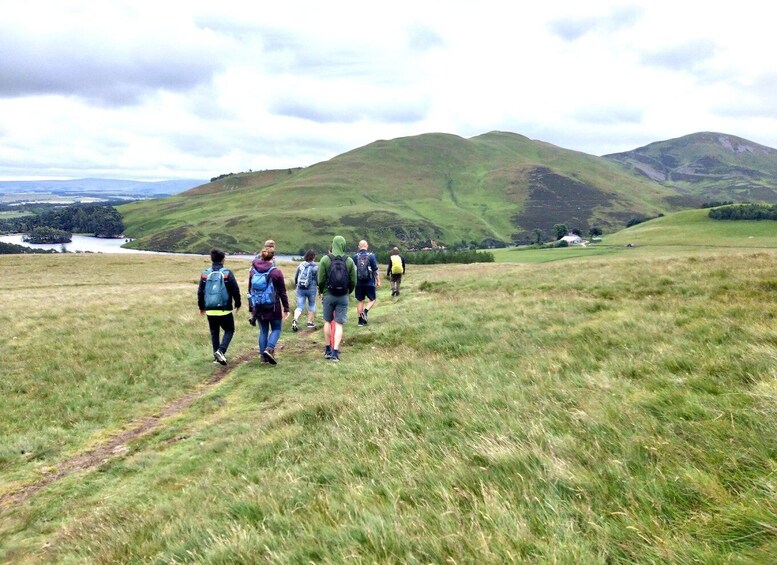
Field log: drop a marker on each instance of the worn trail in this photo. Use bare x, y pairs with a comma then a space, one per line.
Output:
117, 445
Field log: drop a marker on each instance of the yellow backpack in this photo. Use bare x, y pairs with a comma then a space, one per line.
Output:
396, 265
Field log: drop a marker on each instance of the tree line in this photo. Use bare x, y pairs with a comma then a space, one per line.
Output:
747, 211
102, 221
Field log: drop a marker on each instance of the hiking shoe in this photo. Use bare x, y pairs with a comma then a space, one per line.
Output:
311, 325
335, 356
220, 358
362, 321
328, 352
267, 355
252, 321
294, 326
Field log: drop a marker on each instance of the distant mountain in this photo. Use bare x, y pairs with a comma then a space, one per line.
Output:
492, 189
100, 187
707, 166
433, 189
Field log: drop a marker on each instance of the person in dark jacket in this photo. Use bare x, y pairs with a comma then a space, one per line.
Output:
220, 318
270, 318
396, 268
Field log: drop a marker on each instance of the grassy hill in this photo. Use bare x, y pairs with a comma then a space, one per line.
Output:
707, 167
621, 411
407, 191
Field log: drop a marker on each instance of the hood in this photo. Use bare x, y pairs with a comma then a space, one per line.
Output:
261, 265
338, 246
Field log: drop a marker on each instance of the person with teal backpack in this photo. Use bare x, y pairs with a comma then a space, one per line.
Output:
217, 293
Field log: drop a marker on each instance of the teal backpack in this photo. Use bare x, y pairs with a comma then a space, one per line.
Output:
216, 293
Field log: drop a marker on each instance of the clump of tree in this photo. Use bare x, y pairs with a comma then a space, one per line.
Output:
222, 176
641, 219
102, 221
46, 234
748, 211
14, 249
433, 257
715, 203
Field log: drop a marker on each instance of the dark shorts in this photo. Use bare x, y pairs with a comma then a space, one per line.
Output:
335, 307
364, 290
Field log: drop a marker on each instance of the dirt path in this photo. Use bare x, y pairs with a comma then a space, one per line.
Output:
117, 445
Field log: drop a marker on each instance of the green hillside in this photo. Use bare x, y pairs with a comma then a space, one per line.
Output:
694, 228
412, 191
707, 166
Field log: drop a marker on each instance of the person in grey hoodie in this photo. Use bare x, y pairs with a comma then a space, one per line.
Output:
336, 280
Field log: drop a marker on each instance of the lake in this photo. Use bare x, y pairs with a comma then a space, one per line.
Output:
91, 244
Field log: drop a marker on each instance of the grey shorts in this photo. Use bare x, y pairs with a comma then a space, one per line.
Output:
335, 307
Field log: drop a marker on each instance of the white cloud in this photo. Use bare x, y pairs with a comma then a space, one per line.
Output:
180, 89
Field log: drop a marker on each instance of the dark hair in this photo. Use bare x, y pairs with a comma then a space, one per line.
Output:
310, 255
217, 255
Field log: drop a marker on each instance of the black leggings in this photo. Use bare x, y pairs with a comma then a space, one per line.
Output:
216, 323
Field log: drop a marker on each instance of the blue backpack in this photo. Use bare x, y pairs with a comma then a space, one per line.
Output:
262, 291
216, 293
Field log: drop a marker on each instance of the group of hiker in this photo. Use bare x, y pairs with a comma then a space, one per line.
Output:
334, 278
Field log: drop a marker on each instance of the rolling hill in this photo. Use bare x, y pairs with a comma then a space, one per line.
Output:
412, 191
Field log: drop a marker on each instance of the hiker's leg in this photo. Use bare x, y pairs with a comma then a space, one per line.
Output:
264, 328
214, 325
311, 305
228, 324
275, 333
328, 315
371, 297
340, 317
301, 295
338, 335
399, 282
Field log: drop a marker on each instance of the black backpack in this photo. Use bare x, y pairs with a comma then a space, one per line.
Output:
363, 267
338, 282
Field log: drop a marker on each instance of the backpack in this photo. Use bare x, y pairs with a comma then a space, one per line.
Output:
396, 265
216, 293
363, 267
262, 291
338, 281
303, 280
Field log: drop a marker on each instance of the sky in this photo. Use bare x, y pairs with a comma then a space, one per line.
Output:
170, 89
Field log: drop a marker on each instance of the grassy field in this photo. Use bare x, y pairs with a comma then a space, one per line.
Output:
617, 409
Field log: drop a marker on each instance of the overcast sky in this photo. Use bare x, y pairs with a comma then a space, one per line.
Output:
167, 89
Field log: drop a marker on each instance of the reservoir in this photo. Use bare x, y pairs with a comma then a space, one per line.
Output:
91, 244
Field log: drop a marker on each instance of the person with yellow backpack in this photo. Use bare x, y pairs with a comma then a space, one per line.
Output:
396, 268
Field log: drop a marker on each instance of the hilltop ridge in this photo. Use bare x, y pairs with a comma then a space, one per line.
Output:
492, 189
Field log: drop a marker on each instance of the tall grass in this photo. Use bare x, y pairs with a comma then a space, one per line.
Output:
619, 410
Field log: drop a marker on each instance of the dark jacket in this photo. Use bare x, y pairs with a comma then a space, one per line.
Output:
338, 250
388, 272
229, 281
276, 276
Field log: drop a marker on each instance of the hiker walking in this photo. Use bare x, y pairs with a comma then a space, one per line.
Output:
336, 280
306, 283
216, 294
267, 294
367, 279
396, 268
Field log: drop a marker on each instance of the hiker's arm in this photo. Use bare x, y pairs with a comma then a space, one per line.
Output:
234, 291
201, 296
